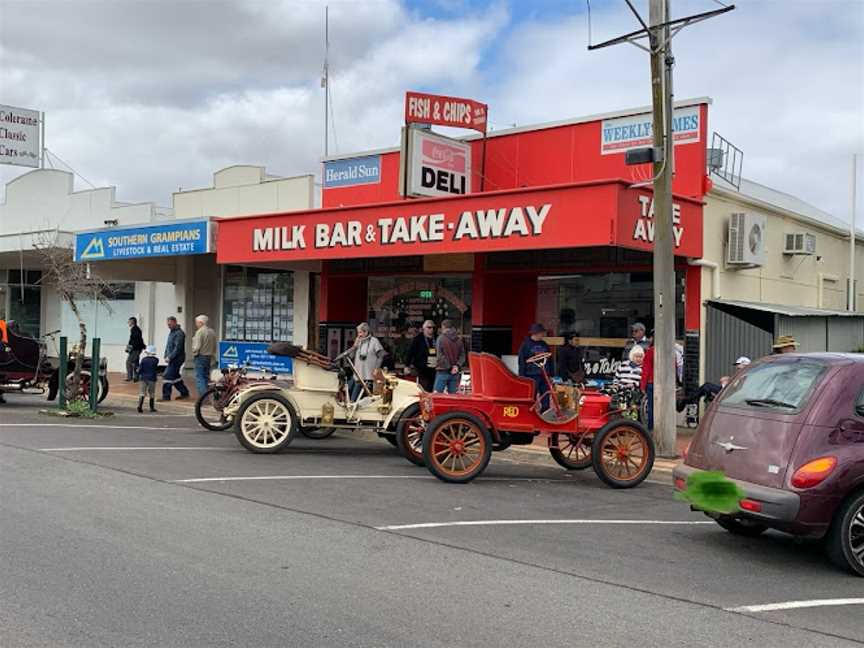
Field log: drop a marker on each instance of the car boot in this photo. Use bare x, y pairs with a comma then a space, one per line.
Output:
152, 404
141, 405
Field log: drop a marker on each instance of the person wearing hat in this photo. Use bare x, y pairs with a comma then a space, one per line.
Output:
785, 344
147, 378
709, 391
531, 346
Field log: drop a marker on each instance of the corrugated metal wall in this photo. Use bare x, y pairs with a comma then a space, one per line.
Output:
811, 333
728, 337
840, 334
845, 333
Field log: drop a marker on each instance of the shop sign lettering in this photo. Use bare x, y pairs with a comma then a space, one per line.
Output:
482, 224
624, 133
602, 367
19, 136
644, 228
445, 111
436, 165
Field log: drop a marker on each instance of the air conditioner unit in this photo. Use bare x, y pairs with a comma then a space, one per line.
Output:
800, 243
746, 240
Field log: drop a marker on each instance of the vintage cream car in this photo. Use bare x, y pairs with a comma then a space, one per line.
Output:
267, 416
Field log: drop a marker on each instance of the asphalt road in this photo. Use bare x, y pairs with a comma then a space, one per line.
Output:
143, 530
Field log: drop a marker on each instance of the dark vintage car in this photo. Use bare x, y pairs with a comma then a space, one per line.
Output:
790, 431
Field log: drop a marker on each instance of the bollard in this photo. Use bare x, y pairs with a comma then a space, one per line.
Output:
94, 374
61, 373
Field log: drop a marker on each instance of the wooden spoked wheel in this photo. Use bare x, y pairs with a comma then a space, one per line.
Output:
457, 447
573, 451
623, 453
265, 423
409, 435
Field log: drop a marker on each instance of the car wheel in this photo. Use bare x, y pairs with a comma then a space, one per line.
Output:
208, 410
622, 453
573, 451
745, 528
457, 447
409, 435
266, 423
317, 433
845, 542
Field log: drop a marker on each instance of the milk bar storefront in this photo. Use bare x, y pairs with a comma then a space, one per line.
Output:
572, 251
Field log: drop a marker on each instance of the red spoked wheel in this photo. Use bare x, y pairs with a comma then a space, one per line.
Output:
457, 447
623, 453
571, 451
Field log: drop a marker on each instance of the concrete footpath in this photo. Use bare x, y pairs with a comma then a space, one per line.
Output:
126, 393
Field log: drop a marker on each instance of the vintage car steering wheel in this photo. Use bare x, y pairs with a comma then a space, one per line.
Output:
539, 359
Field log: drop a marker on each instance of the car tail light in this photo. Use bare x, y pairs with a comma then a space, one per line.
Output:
814, 472
680, 484
750, 505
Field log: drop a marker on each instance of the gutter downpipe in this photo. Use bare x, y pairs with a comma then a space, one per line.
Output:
715, 274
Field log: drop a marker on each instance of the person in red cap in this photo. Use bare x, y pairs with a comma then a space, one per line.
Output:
531, 346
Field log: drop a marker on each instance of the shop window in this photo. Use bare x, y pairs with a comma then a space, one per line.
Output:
258, 305
106, 319
601, 308
399, 305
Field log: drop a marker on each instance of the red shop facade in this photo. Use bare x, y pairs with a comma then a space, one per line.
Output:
558, 230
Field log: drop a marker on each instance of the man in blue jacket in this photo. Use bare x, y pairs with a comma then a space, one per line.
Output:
175, 354
533, 345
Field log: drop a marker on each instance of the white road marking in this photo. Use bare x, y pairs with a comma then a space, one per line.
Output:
435, 525
90, 427
795, 605
111, 448
199, 480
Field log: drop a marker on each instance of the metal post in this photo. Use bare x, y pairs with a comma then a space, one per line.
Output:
851, 293
94, 373
664, 254
62, 371
42, 142
326, 81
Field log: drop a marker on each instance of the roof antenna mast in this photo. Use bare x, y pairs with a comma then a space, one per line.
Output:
325, 79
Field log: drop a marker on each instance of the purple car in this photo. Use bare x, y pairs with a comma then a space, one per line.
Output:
789, 430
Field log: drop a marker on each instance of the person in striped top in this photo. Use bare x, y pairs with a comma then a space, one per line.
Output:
629, 372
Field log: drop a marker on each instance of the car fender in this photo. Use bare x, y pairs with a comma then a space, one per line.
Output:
477, 413
397, 411
252, 390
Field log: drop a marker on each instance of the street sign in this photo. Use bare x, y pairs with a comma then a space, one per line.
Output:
253, 353
169, 239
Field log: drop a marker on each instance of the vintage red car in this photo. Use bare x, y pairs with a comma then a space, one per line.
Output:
583, 428
789, 430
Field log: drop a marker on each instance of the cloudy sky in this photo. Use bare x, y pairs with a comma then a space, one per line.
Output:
152, 95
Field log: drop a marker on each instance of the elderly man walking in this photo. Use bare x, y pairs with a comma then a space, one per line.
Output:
204, 345
175, 354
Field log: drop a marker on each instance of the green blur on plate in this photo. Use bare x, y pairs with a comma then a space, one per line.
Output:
711, 491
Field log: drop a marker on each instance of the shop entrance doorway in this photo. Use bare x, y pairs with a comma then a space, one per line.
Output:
398, 305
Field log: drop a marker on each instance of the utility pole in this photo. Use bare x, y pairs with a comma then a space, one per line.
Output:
851, 295
664, 249
659, 32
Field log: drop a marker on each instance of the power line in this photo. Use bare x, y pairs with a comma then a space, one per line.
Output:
68, 166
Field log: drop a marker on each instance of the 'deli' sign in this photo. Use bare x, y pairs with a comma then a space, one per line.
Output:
435, 165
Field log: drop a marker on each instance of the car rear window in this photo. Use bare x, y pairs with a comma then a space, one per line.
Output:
782, 386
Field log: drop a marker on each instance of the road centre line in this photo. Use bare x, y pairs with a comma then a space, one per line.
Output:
435, 525
91, 427
796, 605
199, 480
112, 448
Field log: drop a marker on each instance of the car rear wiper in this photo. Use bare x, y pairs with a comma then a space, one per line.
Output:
769, 402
